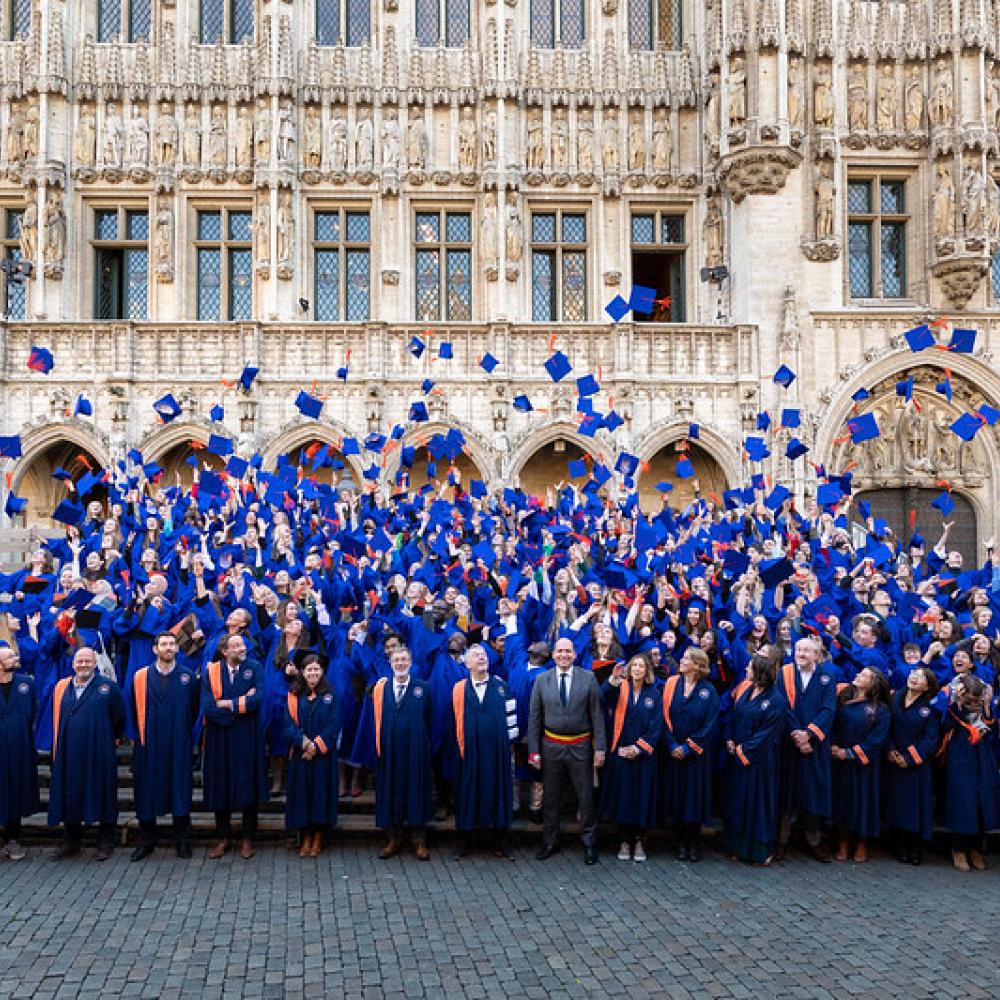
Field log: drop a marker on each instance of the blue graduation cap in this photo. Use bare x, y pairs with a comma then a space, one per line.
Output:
944, 503
349, 446
989, 413
61, 474
135, 456
735, 562
558, 366
861, 395
373, 472
784, 376
168, 408
522, 403
219, 445
10, 446
613, 421
15, 505
444, 351
904, 388
236, 467
967, 426
863, 428
406, 456
577, 468
919, 338
756, 449
791, 418
590, 425
83, 407
40, 360
487, 362
795, 449
774, 571
216, 414
617, 308
694, 432
151, 470
642, 299
477, 488
308, 406
86, 483
962, 341
944, 387
777, 497
763, 420
426, 386
68, 512
587, 385
247, 376
418, 412
828, 494
416, 346
685, 470
664, 487
211, 484
375, 442
342, 373
601, 473
626, 464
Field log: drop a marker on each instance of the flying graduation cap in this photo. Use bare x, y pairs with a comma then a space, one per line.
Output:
40, 360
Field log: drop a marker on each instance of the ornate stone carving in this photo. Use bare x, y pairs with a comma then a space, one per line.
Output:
825, 191
262, 233
913, 102
29, 230
534, 150
943, 209
364, 153
942, 102
112, 146
887, 101
857, 99
663, 144
163, 240
756, 171
336, 146
85, 143
636, 144
467, 141
960, 277
54, 221
513, 237
490, 236
285, 235
737, 107
714, 234
796, 111
823, 107
166, 137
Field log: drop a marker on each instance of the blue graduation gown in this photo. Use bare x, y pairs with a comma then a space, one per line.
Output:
862, 729
909, 791
233, 761
446, 673
483, 734
84, 786
691, 724
162, 753
972, 783
18, 773
755, 725
403, 745
312, 785
628, 792
805, 778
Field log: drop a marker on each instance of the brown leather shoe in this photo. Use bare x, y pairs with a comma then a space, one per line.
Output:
391, 849
977, 860
316, 848
246, 849
861, 853
305, 851
420, 850
960, 861
842, 851
217, 849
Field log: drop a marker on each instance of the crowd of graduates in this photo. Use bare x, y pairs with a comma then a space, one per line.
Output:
788, 669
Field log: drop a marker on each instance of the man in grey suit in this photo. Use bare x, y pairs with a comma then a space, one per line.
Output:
566, 739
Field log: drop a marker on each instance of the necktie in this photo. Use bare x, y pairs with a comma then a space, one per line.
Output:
400, 691
563, 693
232, 675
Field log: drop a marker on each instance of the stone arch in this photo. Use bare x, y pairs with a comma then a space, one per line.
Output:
480, 460
301, 433
544, 441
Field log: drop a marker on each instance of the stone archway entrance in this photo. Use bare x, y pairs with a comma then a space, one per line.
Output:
36, 484
550, 465
177, 466
662, 467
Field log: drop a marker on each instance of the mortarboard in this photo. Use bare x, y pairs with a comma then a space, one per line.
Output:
967, 425
685, 470
777, 497
944, 387
308, 406
626, 464
828, 494
40, 360
34, 585
444, 350
349, 446
247, 376
418, 412
962, 341
558, 366
216, 414
919, 338
617, 308
83, 407
613, 421
87, 618
791, 418
210, 484
168, 408
373, 471
642, 299
76, 599
944, 503
68, 512
577, 468
774, 571
406, 456
795, 449
861, 395
10, 446
735, 562
342, 373
664, 487
694, 432
756, 450
989, 413
763, 421
477, 488
236, 467
487, 362
586, 385
14, 505
219, 445
522, 403
416, 347
86, 483
589, 425
863, 428
905, 388
601, 473
151, 470
784, 376
375, 442
426, 386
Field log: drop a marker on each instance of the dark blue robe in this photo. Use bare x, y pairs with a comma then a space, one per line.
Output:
483, 735
312, 785
628, 790
909, 791
18, 773
163, 750
805, 778
403, 745
862, 729
84, 786
972, 783
755, 725
691, 724
234, 738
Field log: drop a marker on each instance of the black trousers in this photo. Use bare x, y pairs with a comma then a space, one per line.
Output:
12, 831
559, 768
223, 823
73, 834
148, 831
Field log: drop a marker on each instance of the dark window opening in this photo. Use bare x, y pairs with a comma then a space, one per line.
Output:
664, 271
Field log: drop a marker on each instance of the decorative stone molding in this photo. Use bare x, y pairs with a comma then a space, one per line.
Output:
960, 278
390, 277
821, 250
756, 171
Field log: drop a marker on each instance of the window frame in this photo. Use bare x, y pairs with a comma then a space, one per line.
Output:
344, 9
225, 245
122, 244
126, 19
557, 25
680, 250
10, 249
657, 20
228, 23
875, 219
444, 247
443, 20
11, 31
344, 247
557, 249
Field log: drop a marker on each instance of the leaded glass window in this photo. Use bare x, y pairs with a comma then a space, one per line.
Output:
19, 18
443, 261
876, 237
347, 20
653, 23
446, 21
558, 266
659, 255
341, 265
230, 20
121, 263
14, 286
130, 19
224, 258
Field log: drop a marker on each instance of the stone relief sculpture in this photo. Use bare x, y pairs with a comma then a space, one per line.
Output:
337, 144
489, 138
312, 139
166, 138
913, 104
942, 102
262, 133
390, 143
243, 157
416, 142
467, 140
85, 144
974, 198
857, 99
364, 153
823, 99
111, 148
663, 143
513, 231
795, 109
29, 230
535, 152
636, 145
943, 203
609, 153
712, 126
286, 136
737, 93
585, 144
713, 233
138, 140
560, 141
285, 234
994, 98
886, 99
54, 247
14, 146
164, 239
262, 232
31, 133
192, 138
218, 139
825, 191
490, 234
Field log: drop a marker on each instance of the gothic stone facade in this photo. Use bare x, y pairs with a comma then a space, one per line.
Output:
306, 196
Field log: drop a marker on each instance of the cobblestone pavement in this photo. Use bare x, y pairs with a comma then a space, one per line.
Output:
350, 925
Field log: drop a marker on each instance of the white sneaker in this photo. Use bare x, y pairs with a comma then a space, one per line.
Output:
624, 852
640, 852
13, 851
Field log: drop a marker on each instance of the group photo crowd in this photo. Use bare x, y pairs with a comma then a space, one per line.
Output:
792, 670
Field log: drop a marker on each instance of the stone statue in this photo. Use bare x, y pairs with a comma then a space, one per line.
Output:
913, 103
54, 247
337, 144
992, 207
942, 103
31, 133
286, 136
85, 145
609, 153
390, 143
192, 137
974, 206
560, 141
513, 230
467, 140
823, 99
218, 138
795, 109
943, 203
535, 152
138, 139
489, 138
886, 99
913, 437
111, 150
244, 139
489, 241
945, 456
286, 229
663, 143
994, 98
712, 125
364, 153
14, 146
312, 139
262, 229
714, 235
636, 145
825, 192
29, 230
166, 138
164, 234
416, 142
262, 134
585, 144
737, 93
857, 98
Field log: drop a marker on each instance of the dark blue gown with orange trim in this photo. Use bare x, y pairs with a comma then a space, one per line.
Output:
805, 778
862, 729
972, 783
311, 786
914, 732
18, 773
755, 725
628, 785
686, 784
483, 780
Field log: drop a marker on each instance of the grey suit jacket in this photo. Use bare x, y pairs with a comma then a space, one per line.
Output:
583, 714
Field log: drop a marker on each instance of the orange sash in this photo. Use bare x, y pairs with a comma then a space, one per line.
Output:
57, 698
139, 694
215, 678
739, 689
620, 709
788, 682
668, 696
293, 707
378, 693
458, 706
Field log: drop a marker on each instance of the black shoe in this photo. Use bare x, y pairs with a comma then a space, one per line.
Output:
463, 851
590, 855
104, 851
535, 815
142, 852
184, 849
916, 856
682, 853
65, 851
504, 851
694, 853
547, 851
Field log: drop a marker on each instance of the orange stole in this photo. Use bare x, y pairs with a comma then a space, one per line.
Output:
215, 678
620, 709
668, 696
458, 706
378, 694
788, 682
139, 685
293, 707
738, 690
57, 697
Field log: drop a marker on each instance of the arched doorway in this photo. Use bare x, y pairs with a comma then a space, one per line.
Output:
35, 483
177, 460
550, 465
317, 460
418, 474
894, 505
662, 467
